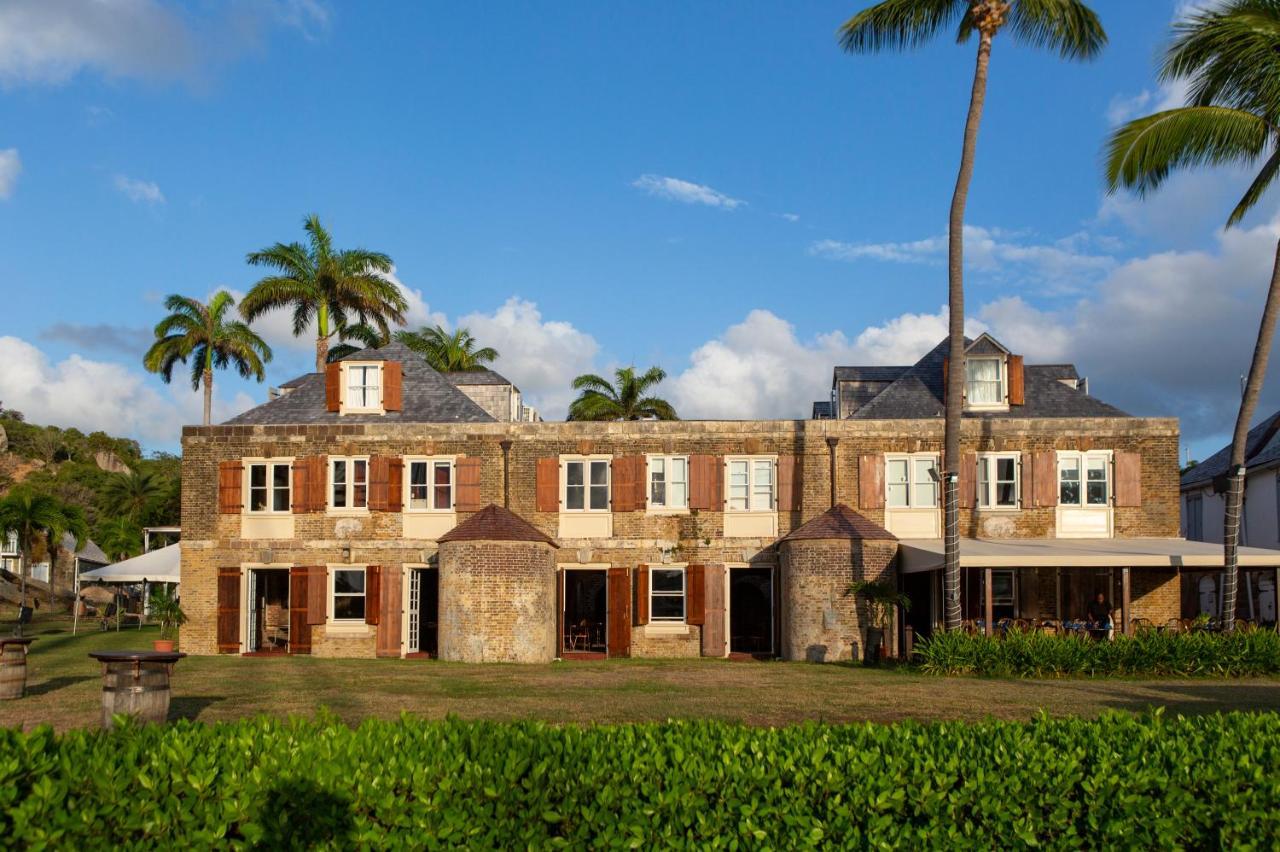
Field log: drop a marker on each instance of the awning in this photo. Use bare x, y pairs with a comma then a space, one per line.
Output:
925, 554
158, 566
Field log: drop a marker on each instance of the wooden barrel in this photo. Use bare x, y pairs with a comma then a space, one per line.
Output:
13, 671
138, 689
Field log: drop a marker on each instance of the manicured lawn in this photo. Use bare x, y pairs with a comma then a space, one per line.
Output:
64, 689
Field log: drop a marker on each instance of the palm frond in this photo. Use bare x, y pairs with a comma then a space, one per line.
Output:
1261, 182
898, 24
592, 382
1230, 55
1067, 26
652, 406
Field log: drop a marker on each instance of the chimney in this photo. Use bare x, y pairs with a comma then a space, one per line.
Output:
831, 446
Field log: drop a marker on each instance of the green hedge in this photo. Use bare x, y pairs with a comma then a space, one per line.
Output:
1243, 653
1118, 781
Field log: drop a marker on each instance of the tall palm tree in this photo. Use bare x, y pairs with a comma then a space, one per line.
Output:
335, 288
448, 353
203, 334
1068, 27
1230, 54
132, 495
36, 517
353, 338
625, 399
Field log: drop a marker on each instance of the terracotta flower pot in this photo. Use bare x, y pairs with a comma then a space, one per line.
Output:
163, 645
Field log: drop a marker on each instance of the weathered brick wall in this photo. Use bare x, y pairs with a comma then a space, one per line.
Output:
497, 602
1155, 594
821, 621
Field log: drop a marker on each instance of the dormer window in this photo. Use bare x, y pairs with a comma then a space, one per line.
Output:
364, 387
984, 381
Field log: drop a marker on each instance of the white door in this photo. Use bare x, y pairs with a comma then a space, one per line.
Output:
251, 627
414, 640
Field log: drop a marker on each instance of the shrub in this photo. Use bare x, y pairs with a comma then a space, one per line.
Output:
1117, 781
1025, 654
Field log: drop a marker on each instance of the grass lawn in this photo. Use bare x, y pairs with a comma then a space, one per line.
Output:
63, 689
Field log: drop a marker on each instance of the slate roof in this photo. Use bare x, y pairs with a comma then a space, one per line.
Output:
293, 383
1261, 449
89, 553
868, 374
476, 377
428, 397
494, 523
841, 522
822, 409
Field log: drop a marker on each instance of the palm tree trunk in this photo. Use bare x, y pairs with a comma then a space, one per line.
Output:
1239, 441
322, 337
22, 584
954, 407
207, 379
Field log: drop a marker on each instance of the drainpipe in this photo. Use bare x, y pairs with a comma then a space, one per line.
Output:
831, 445
505, 443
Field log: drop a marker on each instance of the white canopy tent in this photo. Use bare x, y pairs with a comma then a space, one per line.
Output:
157, 566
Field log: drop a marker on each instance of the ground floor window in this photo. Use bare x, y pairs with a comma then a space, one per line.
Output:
666, 594
348, 594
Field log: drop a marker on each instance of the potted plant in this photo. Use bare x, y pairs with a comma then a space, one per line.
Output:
881, 599
166, 607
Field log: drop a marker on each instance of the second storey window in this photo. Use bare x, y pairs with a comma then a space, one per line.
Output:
668, 482
984, 381
586, 485
666, 594
998, 482
349, 483
1083, 479
364, 386
750, 485
430, 485
1195, 516
911, 482
269, 486
348, 594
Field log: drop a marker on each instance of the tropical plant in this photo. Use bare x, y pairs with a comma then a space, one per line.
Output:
167, 609
626, 399
1068, 27
336, 289
1230, 56
120, 537
203, 334
352, 338
882, 599
132, 495
448, 353
38, 518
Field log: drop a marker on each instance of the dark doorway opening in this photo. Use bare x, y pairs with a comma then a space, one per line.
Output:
751, 607
268, 622
584, 619
919, 589
424, 613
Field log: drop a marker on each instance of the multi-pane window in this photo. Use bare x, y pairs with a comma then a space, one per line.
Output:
911, 482
348, 483
348, 594
269, 486
364, 386
669, 482
586, 485
751, 484
998, 482
430, 485
984, 381
666, 594
1083, 479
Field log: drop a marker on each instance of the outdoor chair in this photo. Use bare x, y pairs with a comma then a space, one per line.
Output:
1173, 625
1141, 625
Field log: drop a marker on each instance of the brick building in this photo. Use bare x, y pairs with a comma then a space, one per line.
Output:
391, 514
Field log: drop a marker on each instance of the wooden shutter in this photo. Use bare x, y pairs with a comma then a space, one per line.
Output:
968, 483
547, 485
389, 603
392, 386
1046, 478
379, 474
1128, 488
372, 594
628, 475
1017, 384
395, 484
317, 594
705, 478
228, 610
871, 481
317, 483
713, 625
333, 386
619, 613
299, 628
230, 481
790, 483
695, 594
467, 491
301, 490
642, 595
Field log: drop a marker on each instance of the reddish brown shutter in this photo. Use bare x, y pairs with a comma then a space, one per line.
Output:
1017, 386
705, 477
467, 493
230, 477
299, 628
228, 610
333, 386
619, 613
395, 484
317, 594
628, 483
389, 603
392, 386
317, 483
379, 474
547, 485
1046, 479
298, 499
871, 481
642, 594
790, 483
713, 624
968, 483
1128, 479
695, 594
372, 594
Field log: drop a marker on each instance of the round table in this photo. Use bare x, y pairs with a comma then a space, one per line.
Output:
136, 683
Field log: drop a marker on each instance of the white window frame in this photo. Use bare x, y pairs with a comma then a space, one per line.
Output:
350, 484
1004, 383
987, 490
683, 595
333, 595
1082, 459
910, 459
665, 506
752, 462
432, 462
348, 407
586, 462
270, 464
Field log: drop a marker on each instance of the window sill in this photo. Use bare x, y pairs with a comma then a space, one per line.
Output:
347, 512
348, 629
362, 411
659, 510
998, 510
249, 513
666, 628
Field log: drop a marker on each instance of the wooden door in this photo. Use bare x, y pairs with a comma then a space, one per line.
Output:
619, 616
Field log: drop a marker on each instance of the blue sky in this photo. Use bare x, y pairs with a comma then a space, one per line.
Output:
716, 189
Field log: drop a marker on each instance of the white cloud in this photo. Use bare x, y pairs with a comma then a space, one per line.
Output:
686, 192
790, 217
1168, 95
310, 17
139, 191
10, 168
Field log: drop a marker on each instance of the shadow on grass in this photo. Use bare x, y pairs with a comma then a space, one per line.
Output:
53, 684
191, 706
1199, 698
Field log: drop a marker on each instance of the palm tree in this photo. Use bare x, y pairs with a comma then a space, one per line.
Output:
201, 333
120, 537
132, 495
1068, 27
353, 338
1231, 57
624, 400
35, 517
335, 288
448, 353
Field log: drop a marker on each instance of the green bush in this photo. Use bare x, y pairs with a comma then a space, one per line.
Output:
1118, 781
1243, 653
